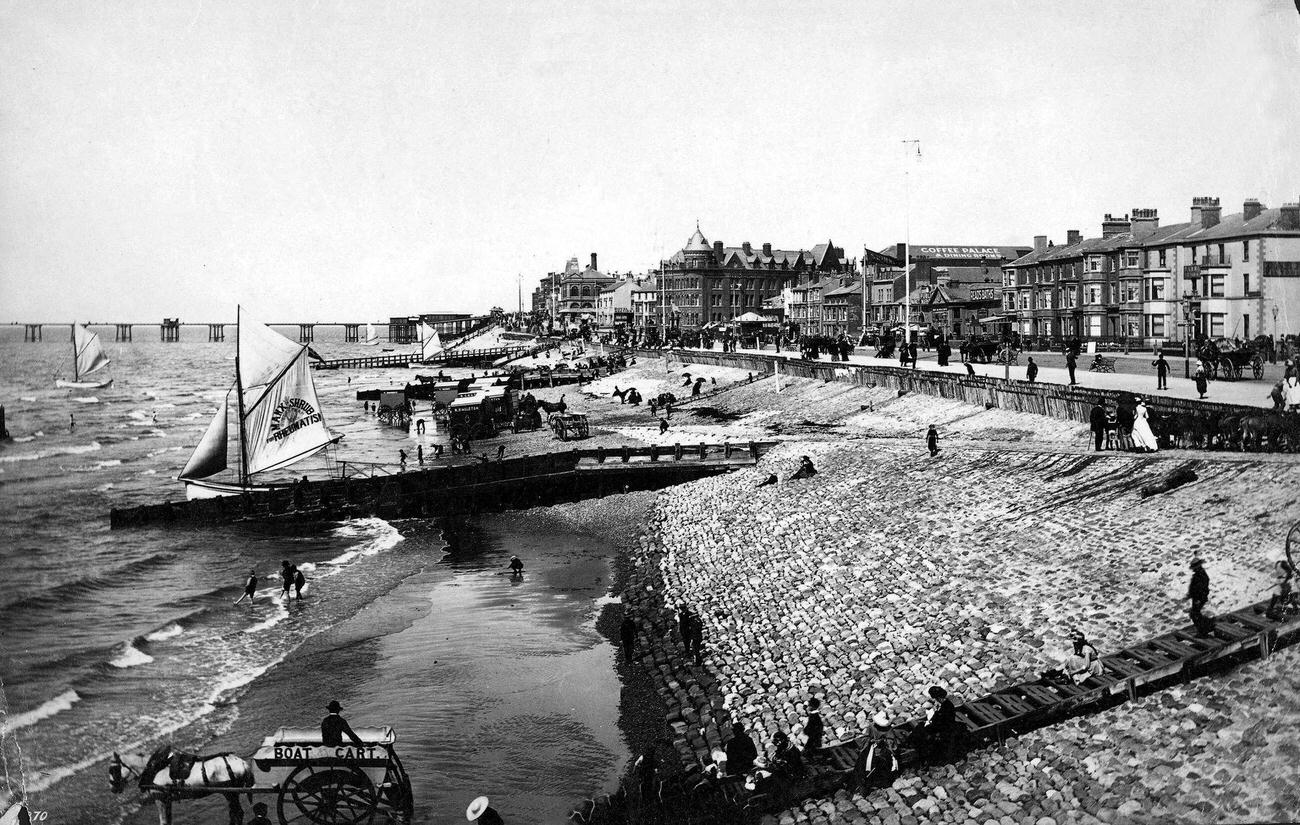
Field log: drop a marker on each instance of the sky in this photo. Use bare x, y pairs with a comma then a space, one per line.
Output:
349, 161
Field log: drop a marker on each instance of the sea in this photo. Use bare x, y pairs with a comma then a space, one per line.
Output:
122, 640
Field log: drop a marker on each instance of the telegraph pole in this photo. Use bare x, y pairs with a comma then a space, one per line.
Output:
908, 145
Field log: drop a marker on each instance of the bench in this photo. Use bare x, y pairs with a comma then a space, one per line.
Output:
1100, 364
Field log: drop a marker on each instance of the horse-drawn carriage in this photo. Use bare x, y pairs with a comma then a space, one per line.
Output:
570, 426
987, 351
393, 408
1226, 360
313, 783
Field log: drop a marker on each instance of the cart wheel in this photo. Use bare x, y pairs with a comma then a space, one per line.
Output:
1226, 368
328, 796
1257, 367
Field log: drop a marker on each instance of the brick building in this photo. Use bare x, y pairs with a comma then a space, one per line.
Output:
953, 288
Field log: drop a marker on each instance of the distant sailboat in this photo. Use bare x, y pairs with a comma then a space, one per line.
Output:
372, 337
280, 421
87, 357
430, 343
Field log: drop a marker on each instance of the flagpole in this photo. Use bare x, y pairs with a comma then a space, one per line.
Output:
907, 241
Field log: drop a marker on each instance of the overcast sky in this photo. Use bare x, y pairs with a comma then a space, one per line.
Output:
355, 160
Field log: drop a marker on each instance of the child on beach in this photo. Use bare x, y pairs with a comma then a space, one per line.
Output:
932, 441
250, 587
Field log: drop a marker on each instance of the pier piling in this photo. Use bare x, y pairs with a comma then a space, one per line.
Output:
216, 332
351, 333
170, 330
306, 333
122, 332
31, 332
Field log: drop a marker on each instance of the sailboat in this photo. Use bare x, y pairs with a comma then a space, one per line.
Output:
430, 343
372, 337
280, 419
87, 357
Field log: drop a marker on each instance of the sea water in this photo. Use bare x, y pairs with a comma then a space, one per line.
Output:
120, 640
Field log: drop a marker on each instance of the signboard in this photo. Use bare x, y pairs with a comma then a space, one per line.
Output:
985, 293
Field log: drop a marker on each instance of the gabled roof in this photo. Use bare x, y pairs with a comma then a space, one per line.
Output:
1235, 226
854, 288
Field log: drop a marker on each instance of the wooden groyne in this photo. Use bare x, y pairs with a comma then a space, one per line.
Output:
486, 486
1140, 669
460, 358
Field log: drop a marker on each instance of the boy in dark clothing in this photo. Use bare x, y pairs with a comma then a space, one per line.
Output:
1198, 590
299, 582
1031, 371
286, 577
932, 441
814, 728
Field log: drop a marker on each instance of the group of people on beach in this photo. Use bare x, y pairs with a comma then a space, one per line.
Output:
291, 577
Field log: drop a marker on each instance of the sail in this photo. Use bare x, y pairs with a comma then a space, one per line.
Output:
430, 343
209, 457
372, 337
282, 416
89, 354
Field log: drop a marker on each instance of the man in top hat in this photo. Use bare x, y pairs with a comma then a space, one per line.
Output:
481, 812
877, 765
333, 727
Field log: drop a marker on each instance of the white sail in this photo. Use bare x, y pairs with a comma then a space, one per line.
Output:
430, 343
89, 355
282, 416
209, 456
372, 337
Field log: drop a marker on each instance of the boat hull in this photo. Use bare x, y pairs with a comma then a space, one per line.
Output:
83, 385
197, 488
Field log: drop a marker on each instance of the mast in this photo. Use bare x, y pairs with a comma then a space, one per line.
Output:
907, 243
239, 394
76, 373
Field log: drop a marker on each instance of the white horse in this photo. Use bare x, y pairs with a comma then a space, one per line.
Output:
154, 775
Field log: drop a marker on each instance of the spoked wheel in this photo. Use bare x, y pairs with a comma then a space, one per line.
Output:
327, 796
1257, 366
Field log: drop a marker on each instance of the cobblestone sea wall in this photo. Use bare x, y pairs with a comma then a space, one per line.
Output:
889, 571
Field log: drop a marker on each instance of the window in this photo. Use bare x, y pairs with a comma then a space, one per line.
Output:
1024, 300
1042, 300
1092, 294
1216, 324
1245, 251
1068, 298
715, 299
1131, 293
1155, 289
1131, 259
1245, 283
1162, 257
1216, 286
1155, 326
1094, 326
1094, 263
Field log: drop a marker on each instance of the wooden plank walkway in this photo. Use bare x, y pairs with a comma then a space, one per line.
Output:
459, 357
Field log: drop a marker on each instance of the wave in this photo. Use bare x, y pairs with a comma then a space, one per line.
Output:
91, 399
76, 449
131, 656
23, 439
170, 631
90, 468
59, 595
58, 704
280, 615
381, 536
26, 398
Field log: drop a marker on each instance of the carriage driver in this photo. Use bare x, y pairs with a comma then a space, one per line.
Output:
333, 727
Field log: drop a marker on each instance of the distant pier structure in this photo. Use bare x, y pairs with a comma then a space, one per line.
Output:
170, 330
351, 333
31, 332
306, 333
402, 329
216, 332
122, 332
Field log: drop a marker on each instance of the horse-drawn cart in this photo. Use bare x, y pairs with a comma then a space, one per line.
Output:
313, 783
570, 426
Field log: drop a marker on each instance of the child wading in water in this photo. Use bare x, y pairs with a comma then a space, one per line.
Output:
932, 441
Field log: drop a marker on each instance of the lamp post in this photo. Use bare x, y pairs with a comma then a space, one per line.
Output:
1276, 338
907, 239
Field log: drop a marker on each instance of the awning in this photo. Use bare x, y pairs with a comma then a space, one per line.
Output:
995, 319
750, 318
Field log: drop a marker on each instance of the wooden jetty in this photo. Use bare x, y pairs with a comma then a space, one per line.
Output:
1142, 668
483, 486
461, 358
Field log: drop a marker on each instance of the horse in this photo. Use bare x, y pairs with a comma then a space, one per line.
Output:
619, 394
168, 774
556, 407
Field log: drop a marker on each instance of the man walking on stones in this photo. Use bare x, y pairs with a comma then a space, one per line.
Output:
932, 441
695, 642
1198, 590
1097, 422
813, 727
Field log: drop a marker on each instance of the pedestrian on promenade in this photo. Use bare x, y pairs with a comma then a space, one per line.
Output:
943, 351
1144, 440
1291, 392
299, 582
401, 458
1031, 371
1071, 361
935, 737
813, 727
1097, 423
286, 578
932, 441
419, 453
1202, 386
663, 425
911, 353
1277, 397
501, 452
877, 766
627, 632
646, 770
1162, 371
903, 354
72, 421
1198, 590
250, 587
740, 750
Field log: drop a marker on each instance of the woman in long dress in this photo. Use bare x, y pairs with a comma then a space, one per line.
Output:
1143, 439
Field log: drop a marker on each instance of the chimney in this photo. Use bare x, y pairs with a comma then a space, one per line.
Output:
1205, 212
593, 260
749, 250
1072, 237
1040, 243
1145, 221
942, 277
767, 249
1110, 226
717, 251
900, 252
1290, 216
1251, 209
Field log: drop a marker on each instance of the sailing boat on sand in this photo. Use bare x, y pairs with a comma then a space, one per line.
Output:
87, 356
430, 343
372, 337
280, 420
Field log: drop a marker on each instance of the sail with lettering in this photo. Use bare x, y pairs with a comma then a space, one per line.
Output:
280, 418
430, 343
209, 457
372, 337
88, 356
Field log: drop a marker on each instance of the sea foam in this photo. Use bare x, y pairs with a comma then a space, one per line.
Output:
58, 704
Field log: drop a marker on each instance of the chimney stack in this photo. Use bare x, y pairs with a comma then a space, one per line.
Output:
1205, 212
593, 260
942, 277
1111, 226
749, 250
1145, 221
1072, 237
767, 249
1040, 243
717, 251
900, 252
1290, 216
1251, 209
